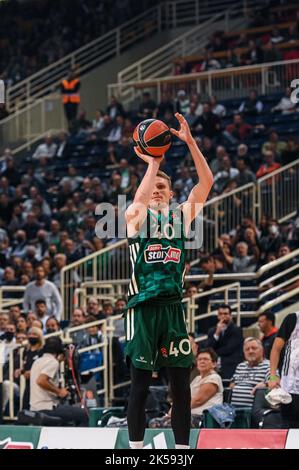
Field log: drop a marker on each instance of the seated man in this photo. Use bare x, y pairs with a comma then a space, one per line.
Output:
227, 340
250, 374
44, 387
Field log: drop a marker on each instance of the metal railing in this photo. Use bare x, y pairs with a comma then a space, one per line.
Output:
192, 306
279, 299
163, 16
101, 345
223, 213
34, 120
111, 263
29, 124
159, 63
278, 192
188, 12
85, 58
9, 296
13, 393
220, 215
103, 274
114, 384
225, 83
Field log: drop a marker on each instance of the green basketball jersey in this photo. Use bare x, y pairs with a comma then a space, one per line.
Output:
158, 259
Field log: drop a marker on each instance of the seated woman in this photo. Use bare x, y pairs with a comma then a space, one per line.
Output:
206, 388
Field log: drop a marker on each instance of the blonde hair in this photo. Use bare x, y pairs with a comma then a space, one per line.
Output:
38, 332
161, 174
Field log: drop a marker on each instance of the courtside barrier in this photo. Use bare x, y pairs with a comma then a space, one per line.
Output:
34, 437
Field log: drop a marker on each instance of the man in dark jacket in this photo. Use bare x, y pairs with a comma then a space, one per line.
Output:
227, 340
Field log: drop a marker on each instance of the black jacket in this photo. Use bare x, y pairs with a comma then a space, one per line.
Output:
229, 348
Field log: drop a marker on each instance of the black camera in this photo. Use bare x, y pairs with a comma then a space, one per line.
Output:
71, 373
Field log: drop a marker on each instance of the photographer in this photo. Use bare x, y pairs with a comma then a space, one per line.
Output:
44, 390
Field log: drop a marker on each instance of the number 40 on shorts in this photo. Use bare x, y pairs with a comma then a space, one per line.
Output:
183, 347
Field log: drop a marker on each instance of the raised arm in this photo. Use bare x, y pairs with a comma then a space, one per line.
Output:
136, 212
201, 190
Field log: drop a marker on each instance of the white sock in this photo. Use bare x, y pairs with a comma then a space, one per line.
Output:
181, 446
136, 444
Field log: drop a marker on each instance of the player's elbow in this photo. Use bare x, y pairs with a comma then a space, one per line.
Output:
210, 179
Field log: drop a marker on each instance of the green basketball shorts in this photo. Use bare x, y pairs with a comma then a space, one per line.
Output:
156, 336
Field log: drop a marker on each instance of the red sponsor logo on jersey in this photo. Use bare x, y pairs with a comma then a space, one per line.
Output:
154, 247
164, 352
173, 254
157, 254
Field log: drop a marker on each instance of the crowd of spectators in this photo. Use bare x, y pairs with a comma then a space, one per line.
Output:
24, 46
28, 328
233, 375
47, 214
229, 50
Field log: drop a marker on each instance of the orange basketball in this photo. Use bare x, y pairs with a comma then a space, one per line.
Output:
153, 137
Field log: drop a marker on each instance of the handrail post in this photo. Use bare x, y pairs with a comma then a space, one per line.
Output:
216, 226
110, 367
159, 92
28, 127
263, 72
22, 379
43, 115
62, 292
210, 84
226, 296
274, 215
238, 304
105, 360
11, 385
27, 93
259, 201
94, 274
73, 60
254, 205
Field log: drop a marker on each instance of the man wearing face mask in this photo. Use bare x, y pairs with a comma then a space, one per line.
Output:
19, 244
31, 354
42, 245
9, 339
273, 240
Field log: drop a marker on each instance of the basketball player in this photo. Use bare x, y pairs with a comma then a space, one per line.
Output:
155, 323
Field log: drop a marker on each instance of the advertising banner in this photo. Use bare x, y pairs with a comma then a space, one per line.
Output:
155, 439
293, 439
242, 439
19, 437
77, 438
